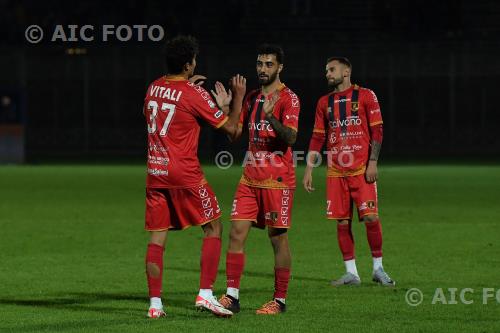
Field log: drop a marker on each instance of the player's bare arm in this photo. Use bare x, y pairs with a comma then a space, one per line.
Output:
371, 169
307, 181
231, 105
287, 134
238, 87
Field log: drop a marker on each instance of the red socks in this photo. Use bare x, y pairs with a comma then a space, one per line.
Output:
209, 264
235, 262
281, 278
374, 235
154, 255
346, 241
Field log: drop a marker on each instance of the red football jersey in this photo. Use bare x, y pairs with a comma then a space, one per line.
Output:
346, 128
173, 108
269, 160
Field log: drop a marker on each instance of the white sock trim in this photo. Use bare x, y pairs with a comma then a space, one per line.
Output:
233, 292
350, 266
155, 303
377, 263
206, 293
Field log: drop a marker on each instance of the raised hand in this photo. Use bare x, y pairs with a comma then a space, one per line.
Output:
200, 78
238, 85
269, 103
222, 97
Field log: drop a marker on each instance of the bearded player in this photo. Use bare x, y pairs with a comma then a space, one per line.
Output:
349, 119
265, 193
177, 194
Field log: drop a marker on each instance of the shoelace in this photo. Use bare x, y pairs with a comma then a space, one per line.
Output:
226, 301
272, 306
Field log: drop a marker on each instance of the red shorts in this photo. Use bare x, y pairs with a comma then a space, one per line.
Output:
178, 209
263, 206
341, 192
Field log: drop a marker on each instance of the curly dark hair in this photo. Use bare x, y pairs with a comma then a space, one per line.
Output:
179, 51
272, 49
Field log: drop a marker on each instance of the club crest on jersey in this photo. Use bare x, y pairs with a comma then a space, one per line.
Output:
272, 216
354, 106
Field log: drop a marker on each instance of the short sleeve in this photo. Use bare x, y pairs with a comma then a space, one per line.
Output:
245, 108
372, 109
205, 108
319, 119
290, 113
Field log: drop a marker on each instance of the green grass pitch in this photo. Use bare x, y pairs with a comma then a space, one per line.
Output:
72, 255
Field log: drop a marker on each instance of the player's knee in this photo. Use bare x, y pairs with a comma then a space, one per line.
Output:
213, 229
370, 218
343, 222
158, 237
278, 237
237, 234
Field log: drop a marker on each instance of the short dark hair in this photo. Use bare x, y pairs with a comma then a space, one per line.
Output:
272, 49
179, 51
342, 60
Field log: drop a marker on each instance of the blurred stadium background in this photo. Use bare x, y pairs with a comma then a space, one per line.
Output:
71, 239
433, 65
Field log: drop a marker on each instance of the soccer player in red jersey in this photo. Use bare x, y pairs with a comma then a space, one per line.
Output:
349, 119
177, 194
265, 193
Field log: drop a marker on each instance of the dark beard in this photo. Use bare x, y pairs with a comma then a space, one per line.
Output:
267, 81
336, 82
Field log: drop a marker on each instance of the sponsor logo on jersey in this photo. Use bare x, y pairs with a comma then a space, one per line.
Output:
154, 147
349, 121
157, 172
218, 114
352, 135
158, 160
263, 125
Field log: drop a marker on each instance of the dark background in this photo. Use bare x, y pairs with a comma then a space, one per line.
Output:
433, 64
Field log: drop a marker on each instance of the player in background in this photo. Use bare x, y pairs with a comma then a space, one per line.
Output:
265, 193
349, 119
177, 194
